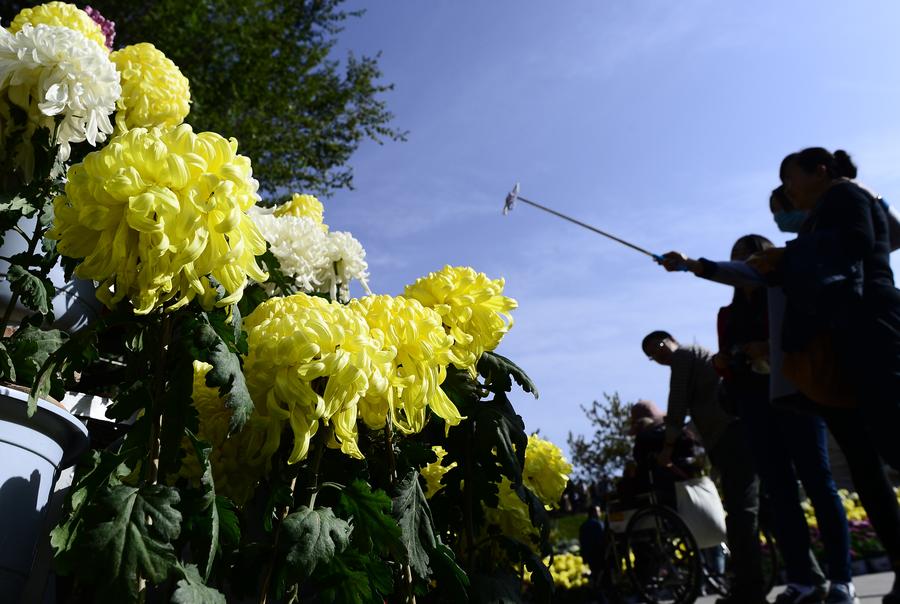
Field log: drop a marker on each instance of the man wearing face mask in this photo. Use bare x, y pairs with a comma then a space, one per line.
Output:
846, 425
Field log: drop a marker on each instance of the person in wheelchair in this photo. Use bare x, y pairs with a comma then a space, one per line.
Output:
643, 474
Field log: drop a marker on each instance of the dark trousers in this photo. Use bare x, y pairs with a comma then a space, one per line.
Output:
740, 490
867, 471
788, 446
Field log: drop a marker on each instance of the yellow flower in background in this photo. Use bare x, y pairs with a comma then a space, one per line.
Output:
546, 470
311, 360
434, 472
568, 570
304, 206
239, 461
420, 349
60, 14
511, 515
471, 306
154, 91
156, 211
546, 474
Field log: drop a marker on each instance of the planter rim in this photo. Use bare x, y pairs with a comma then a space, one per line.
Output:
51, 420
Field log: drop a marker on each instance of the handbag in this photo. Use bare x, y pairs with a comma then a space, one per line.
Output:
698, 504
819, 373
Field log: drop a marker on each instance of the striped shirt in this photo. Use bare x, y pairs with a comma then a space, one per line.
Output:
694, 392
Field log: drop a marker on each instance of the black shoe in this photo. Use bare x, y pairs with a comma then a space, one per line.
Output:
802, 594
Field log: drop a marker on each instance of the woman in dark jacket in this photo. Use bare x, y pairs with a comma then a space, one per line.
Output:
838, 283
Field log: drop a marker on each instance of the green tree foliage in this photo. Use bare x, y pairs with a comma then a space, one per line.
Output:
602, 456
263, 71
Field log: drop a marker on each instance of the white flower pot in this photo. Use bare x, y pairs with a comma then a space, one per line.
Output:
75, 303
33, 451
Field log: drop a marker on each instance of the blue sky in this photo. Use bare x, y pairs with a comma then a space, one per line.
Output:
662, 122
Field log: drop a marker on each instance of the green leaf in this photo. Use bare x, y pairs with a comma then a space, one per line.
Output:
499, 428
462, 389
229, 525
354, 578
97, 472
53, 353
499, 373
7, 368
230, 328
541, 578
177, 407
34, 292
226, 374
135, 541
191, 589
373, 525
414, 516
254, 295
452, 579
210, 509
18, 203
540, 519
273, 267
312, 537
29, 348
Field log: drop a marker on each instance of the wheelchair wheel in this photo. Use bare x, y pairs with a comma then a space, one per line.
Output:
662, 558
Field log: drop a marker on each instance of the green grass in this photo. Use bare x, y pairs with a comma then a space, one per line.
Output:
566, 527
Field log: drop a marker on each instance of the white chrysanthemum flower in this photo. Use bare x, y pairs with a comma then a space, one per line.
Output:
63, 81
317, 260
298, 243
345, 260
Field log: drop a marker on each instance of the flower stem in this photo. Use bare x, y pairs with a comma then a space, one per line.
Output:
468, 513
318, 445
159, 389
409, 597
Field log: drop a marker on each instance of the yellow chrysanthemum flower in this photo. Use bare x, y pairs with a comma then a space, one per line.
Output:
60, 14
157, 211
471, 306
154, 91
546, 474
311, 360
239, 461
420, 348
546, 470
434, 472
304, 206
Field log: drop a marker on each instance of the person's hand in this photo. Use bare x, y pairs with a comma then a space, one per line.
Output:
664, 457
676, 261
766, 261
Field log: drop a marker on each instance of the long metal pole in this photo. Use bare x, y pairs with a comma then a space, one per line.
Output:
587, 226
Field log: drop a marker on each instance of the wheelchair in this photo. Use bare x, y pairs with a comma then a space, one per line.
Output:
652, 553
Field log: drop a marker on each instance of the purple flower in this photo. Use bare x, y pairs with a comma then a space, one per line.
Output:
107, 26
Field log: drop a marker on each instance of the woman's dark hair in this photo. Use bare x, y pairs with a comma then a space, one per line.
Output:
838, 165
754, 243
780, 196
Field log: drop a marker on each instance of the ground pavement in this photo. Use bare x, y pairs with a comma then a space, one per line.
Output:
869, 588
